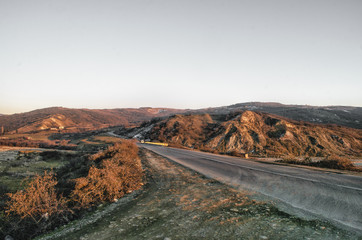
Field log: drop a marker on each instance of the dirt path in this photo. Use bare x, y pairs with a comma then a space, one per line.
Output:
178, 203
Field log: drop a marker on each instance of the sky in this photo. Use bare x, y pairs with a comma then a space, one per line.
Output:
178, 54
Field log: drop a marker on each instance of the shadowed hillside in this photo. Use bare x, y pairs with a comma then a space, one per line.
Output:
257, 133
58, 118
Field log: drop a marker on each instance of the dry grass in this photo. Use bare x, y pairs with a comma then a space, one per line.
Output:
107, 139
31, 143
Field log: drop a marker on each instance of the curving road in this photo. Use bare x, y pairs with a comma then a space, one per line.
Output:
332, 196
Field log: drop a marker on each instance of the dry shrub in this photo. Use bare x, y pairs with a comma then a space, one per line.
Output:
336, 162
290, 159
38, 208
127, 148
333, 162
119, 172
235, 153
39, 200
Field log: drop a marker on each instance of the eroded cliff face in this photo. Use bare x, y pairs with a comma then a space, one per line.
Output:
258, 133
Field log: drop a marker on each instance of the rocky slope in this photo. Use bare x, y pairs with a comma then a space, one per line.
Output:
340, 115
256, 133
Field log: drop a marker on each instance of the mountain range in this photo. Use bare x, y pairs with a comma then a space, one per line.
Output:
84, 119
67, 119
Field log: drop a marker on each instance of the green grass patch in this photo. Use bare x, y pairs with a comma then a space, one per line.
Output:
12, 182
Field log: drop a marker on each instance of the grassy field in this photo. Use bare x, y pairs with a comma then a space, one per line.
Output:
17, 164
43, 136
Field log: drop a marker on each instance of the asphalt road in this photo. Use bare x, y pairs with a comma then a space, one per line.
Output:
331, 196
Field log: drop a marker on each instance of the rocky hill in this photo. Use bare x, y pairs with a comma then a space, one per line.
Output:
58, 118
339, 115
256, 133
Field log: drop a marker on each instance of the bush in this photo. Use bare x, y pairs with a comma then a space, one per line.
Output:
127, 149
333, 162
336, 162
35, 210
39, 200
290, 159
119, 172
236, 154
39, 208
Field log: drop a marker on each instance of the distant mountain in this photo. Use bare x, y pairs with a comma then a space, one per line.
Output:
58, 118
253, 133
340, 115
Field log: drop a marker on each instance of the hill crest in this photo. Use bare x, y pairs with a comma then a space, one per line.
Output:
59, 118
81, 119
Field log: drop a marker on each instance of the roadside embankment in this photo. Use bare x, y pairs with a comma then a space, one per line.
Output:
178, 203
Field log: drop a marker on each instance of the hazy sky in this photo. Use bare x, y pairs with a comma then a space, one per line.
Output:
181, 54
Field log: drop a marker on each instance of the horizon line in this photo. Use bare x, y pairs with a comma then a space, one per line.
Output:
160, 107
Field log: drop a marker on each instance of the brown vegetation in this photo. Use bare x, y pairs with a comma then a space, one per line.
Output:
102, 177
26, 142
336, 162
38, 200
119, 171
333, 162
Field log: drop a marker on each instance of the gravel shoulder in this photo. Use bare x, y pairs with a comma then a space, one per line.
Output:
178, 203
